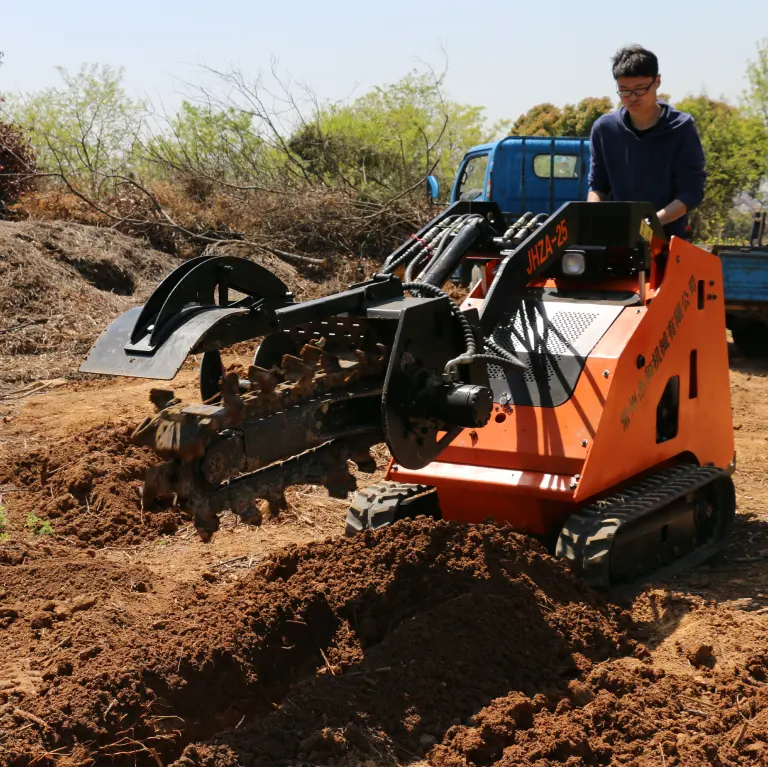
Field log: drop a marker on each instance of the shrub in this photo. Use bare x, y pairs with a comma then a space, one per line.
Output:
17, 166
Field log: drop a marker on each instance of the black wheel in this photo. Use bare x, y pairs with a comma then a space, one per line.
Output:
384, 504
268, 354
211, 371
271, 350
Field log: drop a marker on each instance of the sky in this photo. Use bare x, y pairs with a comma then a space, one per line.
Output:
504, 56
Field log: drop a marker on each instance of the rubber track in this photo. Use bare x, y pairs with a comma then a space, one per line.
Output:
587, 536
380, 501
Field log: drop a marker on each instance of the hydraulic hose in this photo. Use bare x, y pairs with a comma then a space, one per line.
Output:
529, 228
517, 226
501, 356
446, 262
443, 240
419, 245
430, 251
443, 247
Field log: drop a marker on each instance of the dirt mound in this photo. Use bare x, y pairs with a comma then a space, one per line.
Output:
60, 285
624, 712
85, 489
696, 696
465, 617
397, 632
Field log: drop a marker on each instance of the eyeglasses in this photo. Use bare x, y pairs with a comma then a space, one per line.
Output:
625, 93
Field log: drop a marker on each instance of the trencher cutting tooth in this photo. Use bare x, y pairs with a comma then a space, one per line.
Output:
262, 380
312, 354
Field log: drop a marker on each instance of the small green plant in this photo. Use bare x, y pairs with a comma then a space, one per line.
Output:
38, 526
3, 523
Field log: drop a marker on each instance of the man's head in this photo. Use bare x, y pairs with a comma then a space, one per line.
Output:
636, 71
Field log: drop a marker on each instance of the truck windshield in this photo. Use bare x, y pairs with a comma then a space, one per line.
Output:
472, 180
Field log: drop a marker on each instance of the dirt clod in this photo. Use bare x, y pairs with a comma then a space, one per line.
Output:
702, 655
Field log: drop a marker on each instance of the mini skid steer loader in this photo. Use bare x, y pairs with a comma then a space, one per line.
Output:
579, 394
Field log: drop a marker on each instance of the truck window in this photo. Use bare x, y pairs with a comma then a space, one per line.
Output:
565, 165
472, 181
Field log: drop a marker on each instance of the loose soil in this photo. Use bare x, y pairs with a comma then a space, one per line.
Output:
128, 641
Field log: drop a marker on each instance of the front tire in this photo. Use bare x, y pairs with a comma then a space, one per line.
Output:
385, 503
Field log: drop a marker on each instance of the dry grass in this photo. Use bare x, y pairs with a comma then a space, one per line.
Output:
67, 271
311, 222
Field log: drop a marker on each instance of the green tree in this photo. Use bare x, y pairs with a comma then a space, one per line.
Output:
85, 129
574, 120
577, 120
736, 149
757, 75
540, 120
218, 143
388, 139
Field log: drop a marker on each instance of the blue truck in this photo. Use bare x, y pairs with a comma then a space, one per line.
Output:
745, 283
538, 174
523, 174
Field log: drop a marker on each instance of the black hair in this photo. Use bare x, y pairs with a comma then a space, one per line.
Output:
634, 61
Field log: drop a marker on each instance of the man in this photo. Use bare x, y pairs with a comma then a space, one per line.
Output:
647, 151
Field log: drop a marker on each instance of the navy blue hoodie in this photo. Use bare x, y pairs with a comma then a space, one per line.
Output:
663, 163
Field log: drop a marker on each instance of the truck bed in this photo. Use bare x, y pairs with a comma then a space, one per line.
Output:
745, 274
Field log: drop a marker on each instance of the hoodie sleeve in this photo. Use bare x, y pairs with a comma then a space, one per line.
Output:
598, 175
689, 172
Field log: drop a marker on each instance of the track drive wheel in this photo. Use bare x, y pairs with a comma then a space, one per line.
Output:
385, 503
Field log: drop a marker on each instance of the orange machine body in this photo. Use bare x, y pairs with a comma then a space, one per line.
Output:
531, 467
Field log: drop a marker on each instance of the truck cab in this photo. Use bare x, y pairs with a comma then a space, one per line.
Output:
525, 173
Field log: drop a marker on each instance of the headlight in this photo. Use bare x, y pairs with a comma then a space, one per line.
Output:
574, 262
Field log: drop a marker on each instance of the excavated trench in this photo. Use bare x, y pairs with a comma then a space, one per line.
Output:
392, 636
